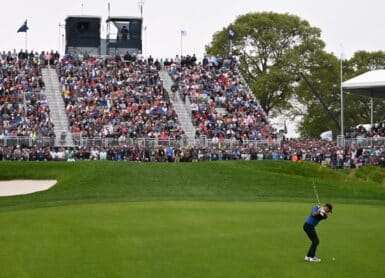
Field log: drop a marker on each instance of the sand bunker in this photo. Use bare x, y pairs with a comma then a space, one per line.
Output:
21, 187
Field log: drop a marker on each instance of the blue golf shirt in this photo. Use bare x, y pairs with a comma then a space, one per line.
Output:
311, 220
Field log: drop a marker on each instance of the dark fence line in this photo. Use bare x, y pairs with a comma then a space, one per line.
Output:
80, 141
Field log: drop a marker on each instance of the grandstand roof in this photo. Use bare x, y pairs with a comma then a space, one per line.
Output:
83, 16
371, 83
121, 18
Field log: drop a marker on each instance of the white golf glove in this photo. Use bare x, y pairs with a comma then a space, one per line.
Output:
322, 212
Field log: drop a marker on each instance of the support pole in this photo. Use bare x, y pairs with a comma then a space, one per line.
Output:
371, 111
342, 99
181, 44
59, 46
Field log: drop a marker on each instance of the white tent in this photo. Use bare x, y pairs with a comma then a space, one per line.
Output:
371, 84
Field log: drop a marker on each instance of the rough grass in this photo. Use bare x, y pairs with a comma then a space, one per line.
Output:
88, 182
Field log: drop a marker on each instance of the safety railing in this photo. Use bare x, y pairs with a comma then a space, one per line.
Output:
9, 141
364, 142
202, 141
106, 142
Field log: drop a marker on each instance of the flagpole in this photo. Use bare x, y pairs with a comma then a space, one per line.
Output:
24, 29
181, 43
62, 45
59, 45
145, 40
371, 111
141, 4
342, 96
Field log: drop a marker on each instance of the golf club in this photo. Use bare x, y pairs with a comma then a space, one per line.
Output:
316, 193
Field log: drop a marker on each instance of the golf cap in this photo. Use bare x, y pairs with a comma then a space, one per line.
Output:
330, 206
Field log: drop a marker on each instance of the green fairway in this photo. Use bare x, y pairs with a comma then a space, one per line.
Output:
189, 239
226, 219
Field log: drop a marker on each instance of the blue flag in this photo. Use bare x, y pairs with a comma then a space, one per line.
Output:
23, 28
231, 34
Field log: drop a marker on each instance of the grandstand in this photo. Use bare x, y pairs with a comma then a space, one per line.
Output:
111, 98
24, 109
104, 100
125, 107
120, 99
222, 105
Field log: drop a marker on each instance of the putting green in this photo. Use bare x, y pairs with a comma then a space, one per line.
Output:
189, 239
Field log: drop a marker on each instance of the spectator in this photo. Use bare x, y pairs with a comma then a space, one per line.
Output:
118, 99
24, 109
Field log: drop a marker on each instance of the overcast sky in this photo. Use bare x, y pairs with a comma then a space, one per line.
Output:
353, 24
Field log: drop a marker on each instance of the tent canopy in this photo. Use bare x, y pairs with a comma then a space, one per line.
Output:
371, 83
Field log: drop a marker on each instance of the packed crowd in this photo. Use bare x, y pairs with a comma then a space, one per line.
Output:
123, 97
221, 104
117, 98
361, 132
23, 106
320, 151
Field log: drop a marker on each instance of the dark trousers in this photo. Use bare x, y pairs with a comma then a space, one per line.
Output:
312, 234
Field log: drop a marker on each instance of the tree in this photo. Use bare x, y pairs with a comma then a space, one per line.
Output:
275, 51
322, 72
326, 79
272, 49
363, 61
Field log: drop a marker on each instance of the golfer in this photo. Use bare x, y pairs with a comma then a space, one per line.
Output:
317, 214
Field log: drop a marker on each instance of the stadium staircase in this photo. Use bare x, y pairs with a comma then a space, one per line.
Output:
57, 108
182, 109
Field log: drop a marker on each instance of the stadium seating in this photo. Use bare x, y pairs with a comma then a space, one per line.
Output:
366, 131
221, 105
116, 98
23, 106
123, 97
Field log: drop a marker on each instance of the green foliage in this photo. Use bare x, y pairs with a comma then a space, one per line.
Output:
326, 78
363, 61
322, 72
272, 49
358, 107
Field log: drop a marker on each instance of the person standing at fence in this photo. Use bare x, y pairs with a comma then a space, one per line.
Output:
161, 154
152, 155
177, 153
69, 155
170, 154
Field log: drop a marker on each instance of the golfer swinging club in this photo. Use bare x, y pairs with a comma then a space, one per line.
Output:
317, 214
